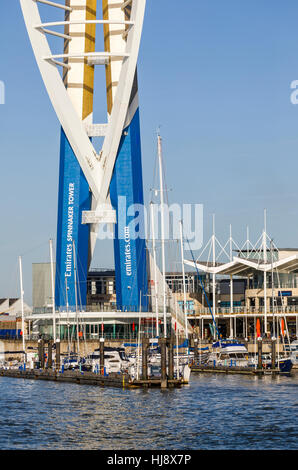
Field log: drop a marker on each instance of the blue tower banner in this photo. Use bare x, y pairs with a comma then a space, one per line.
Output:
74, 197
126, 190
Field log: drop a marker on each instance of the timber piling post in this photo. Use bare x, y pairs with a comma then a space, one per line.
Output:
170, 358
195, 350
101, 355
273, 352
260, 353
145, 344
41, 353
57, 362
50, 356
163, 353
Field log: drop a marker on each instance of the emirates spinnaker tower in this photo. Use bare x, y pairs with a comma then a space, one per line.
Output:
95, 186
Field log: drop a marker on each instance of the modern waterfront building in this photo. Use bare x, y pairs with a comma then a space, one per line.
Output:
13, 307
271, 302
41, 287
11, 318
285, 282
100, 312
101, 289
247, 300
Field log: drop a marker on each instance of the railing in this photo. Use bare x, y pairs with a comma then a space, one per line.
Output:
248, 310
10, 337
133, 337
97, 308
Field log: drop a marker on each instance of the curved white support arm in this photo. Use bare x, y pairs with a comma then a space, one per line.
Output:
69, 119
98, 170
54, 4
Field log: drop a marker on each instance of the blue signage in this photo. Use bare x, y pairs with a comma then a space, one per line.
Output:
126, 191
285, 293
74, 197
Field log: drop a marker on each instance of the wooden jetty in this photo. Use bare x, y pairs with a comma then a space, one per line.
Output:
233, 370
90, 378
55, 372
259, 370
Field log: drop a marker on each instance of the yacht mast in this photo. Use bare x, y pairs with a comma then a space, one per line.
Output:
76, 294
213, 275
155, 267
67, 311
231, 287
183, 274
53, 291
22, 306
265, 273
161, 184
139, 336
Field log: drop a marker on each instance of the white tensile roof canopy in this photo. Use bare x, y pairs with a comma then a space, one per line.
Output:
246, 267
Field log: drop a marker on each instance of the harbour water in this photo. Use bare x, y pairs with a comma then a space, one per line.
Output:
213, 412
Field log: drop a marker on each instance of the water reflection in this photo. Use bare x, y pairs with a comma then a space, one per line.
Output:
213, 412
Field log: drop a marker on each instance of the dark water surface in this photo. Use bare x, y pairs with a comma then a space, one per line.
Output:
213, 412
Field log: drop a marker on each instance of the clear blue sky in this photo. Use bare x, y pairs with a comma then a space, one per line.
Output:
216, 76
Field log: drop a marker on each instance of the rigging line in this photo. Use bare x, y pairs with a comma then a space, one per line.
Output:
282, 304
34, 248
203, 288
79, 264
144, 288
165, 191
165, 188
14, 284
59, 279
80, 297
78, 260
152, 190
134, 282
